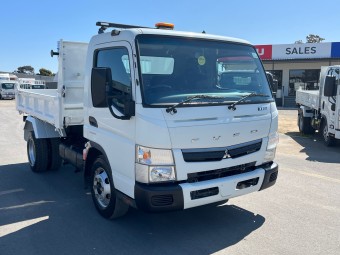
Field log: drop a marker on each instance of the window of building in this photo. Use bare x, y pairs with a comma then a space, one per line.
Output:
305, 79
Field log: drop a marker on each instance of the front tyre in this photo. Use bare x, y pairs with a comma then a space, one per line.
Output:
329, 140
37, 153
103, 192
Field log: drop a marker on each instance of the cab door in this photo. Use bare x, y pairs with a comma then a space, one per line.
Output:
336, 73
116, 136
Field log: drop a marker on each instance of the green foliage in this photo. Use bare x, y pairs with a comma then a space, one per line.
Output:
311, 38
25, 69
314, 38
45, 72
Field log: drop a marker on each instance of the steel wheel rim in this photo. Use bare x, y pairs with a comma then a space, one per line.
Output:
31, 152
101, 187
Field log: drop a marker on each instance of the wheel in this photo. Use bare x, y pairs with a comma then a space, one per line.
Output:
103, 191
37, 152
329, 140
304, 124
54, 159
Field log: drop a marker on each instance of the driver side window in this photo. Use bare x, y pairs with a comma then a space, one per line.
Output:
118, 61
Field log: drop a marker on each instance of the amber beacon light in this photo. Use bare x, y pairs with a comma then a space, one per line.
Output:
164, 25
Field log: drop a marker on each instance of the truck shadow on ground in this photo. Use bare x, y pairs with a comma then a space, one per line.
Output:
315, 148
67, 222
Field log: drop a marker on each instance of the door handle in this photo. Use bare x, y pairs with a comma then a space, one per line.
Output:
93, 121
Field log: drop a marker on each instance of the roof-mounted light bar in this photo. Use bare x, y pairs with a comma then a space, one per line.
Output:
104, 25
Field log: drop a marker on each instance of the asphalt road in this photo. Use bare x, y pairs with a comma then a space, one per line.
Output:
51, 213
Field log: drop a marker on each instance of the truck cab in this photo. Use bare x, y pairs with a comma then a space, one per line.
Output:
7, 89
182, 144
330, 103
157, 119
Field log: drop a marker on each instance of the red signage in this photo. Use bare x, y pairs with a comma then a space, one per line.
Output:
264, 51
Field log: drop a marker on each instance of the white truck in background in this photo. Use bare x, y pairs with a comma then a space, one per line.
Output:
320, 109
7, 87
31, 83
152, 123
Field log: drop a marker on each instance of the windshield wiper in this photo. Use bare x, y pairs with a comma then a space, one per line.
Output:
172, 109
254, 94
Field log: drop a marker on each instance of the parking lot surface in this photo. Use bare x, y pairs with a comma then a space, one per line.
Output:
52, 213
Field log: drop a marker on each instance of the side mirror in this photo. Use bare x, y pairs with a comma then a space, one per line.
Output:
100, 77
106, 93
330, 86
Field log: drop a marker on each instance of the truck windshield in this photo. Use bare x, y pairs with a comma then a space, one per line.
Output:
174, 68
7, 86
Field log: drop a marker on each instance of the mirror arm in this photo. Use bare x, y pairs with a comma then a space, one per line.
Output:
109, 97
109, 104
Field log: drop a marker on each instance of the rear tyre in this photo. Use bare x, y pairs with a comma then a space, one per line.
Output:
329, 140
37, 152
54, 158
103, 192
304, 124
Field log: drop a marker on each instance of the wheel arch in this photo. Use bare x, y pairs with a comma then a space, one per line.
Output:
93, 153
40, 128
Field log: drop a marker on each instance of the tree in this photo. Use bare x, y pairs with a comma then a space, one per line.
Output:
45, 72
25, 69
311, 38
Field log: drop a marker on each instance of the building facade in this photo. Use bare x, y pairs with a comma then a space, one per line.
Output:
297, 66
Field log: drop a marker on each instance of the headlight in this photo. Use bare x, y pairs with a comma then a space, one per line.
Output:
154, 165
162, 173
273, 140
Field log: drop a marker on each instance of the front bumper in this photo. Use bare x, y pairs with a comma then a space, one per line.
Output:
270, 177
170, 197
8, 96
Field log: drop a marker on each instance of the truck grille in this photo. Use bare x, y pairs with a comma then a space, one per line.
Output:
219, 173
217, 154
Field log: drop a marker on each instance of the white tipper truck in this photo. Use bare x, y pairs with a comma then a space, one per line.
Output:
320, 109
31, 83
7, 89
156, 119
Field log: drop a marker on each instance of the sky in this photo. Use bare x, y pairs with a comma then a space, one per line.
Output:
30, 29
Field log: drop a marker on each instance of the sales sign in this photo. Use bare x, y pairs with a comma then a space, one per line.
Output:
299, 51
303, 50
